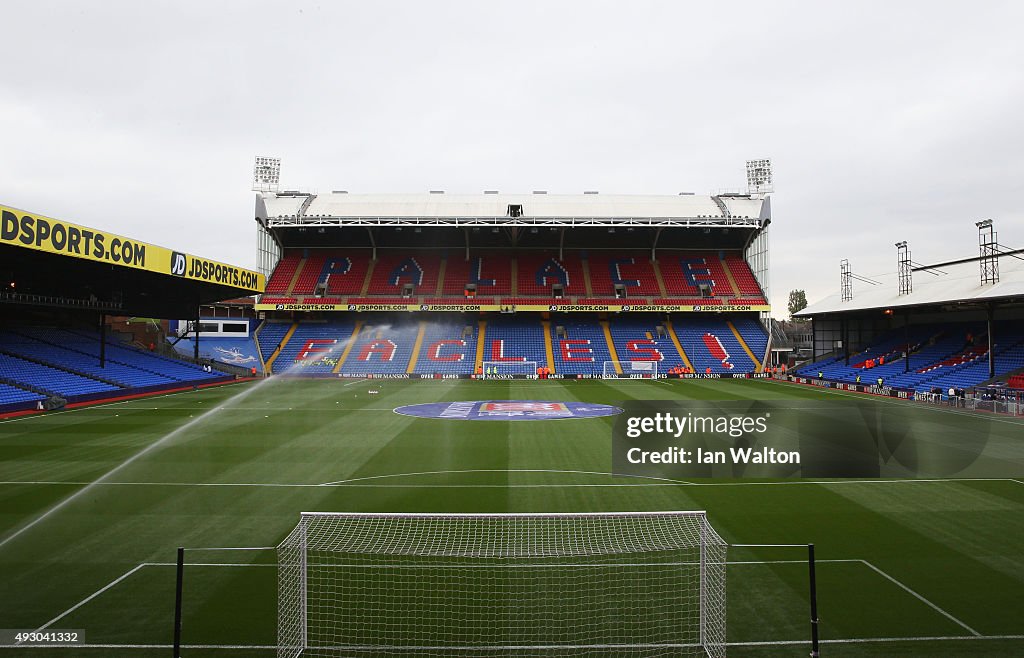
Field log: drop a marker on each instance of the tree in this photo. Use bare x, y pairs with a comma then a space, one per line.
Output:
797, 301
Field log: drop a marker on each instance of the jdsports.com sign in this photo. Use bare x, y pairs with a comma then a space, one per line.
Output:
54, 236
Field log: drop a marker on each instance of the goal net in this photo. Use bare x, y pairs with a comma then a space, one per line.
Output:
501, 368
631, 369
644, 584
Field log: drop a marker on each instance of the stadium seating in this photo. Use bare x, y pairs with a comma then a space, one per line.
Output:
492, 274
746, 282
384, 346
344, 273
683, 272
51, 380
11, 395
457, 301
633, 270
514, 339
66, 363
711, 344
940, 357
636, 339
80, 362
753, 333
270, 335
447, 349
314, 347
394, 270
281, 278
309, 274
540, 271
584, 349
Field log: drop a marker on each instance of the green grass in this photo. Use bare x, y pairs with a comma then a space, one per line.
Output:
238, 476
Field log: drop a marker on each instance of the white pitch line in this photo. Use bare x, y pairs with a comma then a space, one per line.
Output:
921, 598
887, 400
369, 485
355, 382
89, 598
765, 643
874, 640
355, 485
91, 407
496, 470
208, 564
233, 548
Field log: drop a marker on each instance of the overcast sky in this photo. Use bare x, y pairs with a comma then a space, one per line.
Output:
885, 121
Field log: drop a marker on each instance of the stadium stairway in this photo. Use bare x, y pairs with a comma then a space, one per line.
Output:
447, 348
442, 346
313, 348
515, 340
383, 346
752, 337
273, 336
632, 270
638, 339
712, 346
584, 348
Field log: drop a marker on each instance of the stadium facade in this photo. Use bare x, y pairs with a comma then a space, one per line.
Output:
515, 284
80, 310
928, 331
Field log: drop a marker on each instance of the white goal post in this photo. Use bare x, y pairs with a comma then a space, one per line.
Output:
500, 368
631, 369
639, 584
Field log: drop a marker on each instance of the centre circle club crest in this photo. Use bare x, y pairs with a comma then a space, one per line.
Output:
508, 410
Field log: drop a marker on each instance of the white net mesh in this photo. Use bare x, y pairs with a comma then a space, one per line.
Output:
634, 369
629, 584
509, 368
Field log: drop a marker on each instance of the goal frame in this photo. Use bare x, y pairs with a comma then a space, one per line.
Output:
532, 369
710, 642
609, 371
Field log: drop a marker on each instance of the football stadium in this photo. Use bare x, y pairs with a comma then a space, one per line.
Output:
474, 425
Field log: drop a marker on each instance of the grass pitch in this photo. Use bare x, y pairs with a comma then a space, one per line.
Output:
927, 568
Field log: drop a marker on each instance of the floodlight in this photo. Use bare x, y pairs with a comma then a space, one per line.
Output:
759, 176
266, 176
985, 223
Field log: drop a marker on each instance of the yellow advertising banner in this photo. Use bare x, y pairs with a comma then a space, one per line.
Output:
472, 308
54, 236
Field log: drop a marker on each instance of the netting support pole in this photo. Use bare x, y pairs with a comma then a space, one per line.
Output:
177, 602
814, 602
703, 583
304, 586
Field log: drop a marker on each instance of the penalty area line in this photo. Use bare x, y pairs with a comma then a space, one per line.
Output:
921, 598
764, 643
